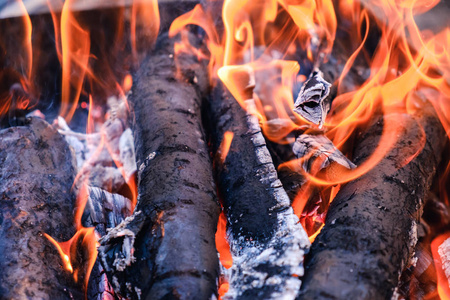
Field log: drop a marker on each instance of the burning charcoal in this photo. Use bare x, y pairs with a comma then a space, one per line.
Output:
371, 226
313, 102
311, 147
166, 248
267, 242
36, 177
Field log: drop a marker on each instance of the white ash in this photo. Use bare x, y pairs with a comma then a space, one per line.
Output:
395, 294
126, 257
77, 141
106, 208
112, 166
127, 154
146, 162
250, 257
413, 239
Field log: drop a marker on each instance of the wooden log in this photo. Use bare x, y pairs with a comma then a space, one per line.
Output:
36, 175
267, 242
370, 230
166, 250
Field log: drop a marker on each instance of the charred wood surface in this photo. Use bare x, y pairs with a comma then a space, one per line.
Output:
173, 227
36, 175
267, 242
371, 227
103, 211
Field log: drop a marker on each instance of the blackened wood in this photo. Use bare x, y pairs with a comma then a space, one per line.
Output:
103, 210
36, 175
267, 242
371, 226
173, 227
247, 203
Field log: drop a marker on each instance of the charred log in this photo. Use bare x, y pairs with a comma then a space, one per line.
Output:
267, 243
172, 229
103, 210
371, 226
36, 175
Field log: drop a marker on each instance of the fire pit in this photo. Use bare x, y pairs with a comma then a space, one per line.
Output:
224, 149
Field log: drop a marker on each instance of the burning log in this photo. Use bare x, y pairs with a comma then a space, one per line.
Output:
267, 242
166, 249
370, 231
37, 172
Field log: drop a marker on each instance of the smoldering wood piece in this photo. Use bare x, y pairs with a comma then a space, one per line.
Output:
370, 230
314, 100
311, 147
267, 242
307, 149
36, 175
103, 210
166, 249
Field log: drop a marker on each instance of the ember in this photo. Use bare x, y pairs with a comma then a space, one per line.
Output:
270, 149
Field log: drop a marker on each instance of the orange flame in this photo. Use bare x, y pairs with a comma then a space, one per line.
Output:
17, 73
27, 38
144, 14
221, 242
272, 39
75, 52
440, 257
224, 147
85, 240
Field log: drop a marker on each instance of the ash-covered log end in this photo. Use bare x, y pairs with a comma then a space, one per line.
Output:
36, 176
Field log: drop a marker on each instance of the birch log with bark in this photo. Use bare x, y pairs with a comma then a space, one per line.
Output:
36, 176
370, 230
166, 249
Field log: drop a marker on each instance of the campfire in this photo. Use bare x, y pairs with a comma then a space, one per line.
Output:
224, 149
